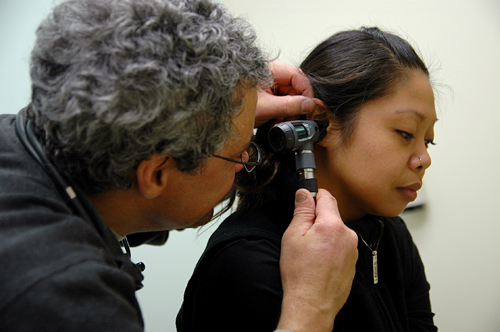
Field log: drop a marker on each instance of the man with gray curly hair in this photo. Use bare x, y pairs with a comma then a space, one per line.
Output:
142, 112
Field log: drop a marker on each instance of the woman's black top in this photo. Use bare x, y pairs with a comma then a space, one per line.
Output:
236, 285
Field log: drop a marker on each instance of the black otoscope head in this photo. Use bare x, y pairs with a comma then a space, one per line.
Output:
299, 136
295, 135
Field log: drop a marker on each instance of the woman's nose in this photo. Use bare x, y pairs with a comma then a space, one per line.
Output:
420, 161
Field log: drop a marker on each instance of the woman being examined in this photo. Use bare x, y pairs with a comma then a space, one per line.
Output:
379, 116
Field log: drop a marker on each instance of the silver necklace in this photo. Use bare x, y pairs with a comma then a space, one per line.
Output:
374, 258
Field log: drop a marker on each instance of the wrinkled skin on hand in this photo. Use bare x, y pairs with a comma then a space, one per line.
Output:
290, 97
318, 258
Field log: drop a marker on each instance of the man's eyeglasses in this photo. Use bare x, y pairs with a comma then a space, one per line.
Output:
249, 159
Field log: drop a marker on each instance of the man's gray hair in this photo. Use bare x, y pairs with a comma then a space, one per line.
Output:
115, 81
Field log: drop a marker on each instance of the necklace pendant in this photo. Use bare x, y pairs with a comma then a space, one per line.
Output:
375, 267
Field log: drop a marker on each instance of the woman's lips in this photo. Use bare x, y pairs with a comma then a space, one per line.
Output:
410, 192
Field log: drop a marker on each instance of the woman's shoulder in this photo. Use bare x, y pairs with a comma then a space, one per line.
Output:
266, 223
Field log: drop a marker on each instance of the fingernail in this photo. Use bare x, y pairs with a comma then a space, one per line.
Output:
307, 106
300, 197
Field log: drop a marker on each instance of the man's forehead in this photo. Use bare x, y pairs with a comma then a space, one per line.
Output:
243, 122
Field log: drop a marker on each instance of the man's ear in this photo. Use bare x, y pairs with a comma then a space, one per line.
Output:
152, 175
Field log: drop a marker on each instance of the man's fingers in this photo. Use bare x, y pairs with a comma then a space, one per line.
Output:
286, 106
318, 255
270, 107
291, 78
291, 96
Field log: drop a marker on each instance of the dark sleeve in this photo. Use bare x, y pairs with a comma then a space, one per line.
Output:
239, 289
420, 315
59, 272
88, 296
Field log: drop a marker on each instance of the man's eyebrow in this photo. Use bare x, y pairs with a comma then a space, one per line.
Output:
421, 116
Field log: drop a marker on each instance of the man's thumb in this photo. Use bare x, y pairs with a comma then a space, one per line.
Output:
305, 209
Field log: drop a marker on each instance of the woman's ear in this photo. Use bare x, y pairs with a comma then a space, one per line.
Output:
319, 107
322, 114
152, 175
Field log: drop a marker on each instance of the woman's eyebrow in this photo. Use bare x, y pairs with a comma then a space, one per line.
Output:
421, 116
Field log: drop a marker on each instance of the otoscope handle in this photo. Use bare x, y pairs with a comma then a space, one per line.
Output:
309, 184
305, 164
305, 159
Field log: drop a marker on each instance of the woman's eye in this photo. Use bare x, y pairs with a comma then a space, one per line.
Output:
406, 135
429, 142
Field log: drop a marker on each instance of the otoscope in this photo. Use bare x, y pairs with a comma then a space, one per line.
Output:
299, 136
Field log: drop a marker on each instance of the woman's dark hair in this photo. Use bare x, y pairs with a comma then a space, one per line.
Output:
346, 70
353, 67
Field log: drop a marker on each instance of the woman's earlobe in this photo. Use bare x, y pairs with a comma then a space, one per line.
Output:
331, 135
322, 114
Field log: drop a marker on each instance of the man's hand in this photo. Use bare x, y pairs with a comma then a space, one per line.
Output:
318, 258
291, 96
